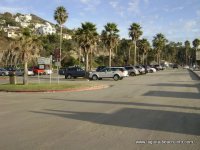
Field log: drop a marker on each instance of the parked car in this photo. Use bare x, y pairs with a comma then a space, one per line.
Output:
4, 72
100, 68
19, 72
62, 71
132, 71
150, 69
30, 72
141, 69
157, 67
109, 72
48, 71
175, 66
186, 67
74, 72
37, 71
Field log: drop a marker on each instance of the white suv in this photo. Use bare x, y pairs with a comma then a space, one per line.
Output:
109, 72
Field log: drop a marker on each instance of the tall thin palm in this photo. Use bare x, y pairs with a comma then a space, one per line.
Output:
135, 32
159, 43
110, 38
60, 15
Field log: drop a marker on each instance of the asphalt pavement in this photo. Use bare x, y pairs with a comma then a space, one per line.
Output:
150, 112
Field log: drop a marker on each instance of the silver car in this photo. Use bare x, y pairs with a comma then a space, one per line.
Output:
132, 71
3, 72
109, 72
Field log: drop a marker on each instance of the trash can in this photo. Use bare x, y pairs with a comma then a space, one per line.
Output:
12, 78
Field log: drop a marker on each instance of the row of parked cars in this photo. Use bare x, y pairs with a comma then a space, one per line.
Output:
117, 73
20, 72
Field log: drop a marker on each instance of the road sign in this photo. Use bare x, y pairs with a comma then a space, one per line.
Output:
58, 64
198, 55
43, 60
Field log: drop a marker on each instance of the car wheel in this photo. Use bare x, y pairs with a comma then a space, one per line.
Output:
3, 74
132, 74
69, 76
116, 77
94, 77
151, 71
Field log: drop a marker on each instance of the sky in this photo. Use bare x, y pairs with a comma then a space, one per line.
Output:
178, 20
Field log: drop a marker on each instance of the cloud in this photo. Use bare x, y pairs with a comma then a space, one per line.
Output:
12, 9
198, 12
120, 9
114, 4
91, 5
190, 25
133, 6
179, 8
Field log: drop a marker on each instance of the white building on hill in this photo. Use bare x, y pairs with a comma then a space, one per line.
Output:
46, 29
24, 20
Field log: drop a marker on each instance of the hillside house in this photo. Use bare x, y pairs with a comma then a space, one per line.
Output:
46, 29
24, 20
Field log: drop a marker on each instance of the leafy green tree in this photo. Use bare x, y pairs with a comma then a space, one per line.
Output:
187, 47
196, 44
110, 37
86, 36
159, 43
60, 15
135, 32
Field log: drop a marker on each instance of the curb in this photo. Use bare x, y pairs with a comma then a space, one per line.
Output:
198, 76
67, 90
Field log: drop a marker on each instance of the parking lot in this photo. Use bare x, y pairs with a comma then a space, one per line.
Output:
154, 111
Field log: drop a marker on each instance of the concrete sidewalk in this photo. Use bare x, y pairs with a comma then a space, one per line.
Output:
196, 72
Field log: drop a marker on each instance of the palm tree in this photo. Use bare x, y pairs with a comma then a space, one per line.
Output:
87, 37
159, 43
60, 15
144, 46
29, 48
196, 44
135, 32
109, 37
187, 47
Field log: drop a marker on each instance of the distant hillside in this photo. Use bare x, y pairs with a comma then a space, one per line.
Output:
36, 19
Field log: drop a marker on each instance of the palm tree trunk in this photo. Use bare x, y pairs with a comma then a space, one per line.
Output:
79, 56
25, 79
146, 59
157, 58
129, 55
60, 42
135, 52
110, 57
186, 57
86, 60
143, 58
90, 59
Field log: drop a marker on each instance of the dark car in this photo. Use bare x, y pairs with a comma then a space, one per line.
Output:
62, 71
74, 72
175, 66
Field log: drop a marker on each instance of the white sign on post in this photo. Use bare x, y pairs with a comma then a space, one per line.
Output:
43, 60
198, 55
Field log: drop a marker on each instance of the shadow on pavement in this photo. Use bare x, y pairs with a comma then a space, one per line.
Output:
178, 85
176, 122
125, 103
185, 95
